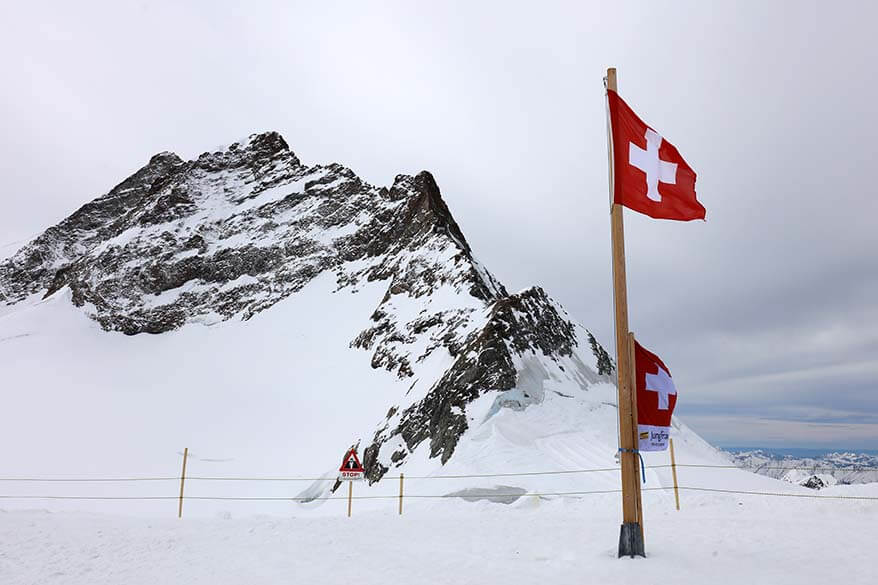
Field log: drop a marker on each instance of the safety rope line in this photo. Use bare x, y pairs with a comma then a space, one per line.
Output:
329, 479
776, 494
440, 496
450, 476
89, 479
318, 499
233, 478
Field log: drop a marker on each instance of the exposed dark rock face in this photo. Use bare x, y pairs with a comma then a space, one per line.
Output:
233, 232
38, 264
813, 482
527, 322
605, 362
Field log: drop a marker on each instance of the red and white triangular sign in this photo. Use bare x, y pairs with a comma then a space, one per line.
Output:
351, 468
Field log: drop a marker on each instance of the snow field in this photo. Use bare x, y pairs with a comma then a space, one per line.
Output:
714, 539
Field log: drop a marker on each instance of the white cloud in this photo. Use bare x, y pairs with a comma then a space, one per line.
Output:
773, 107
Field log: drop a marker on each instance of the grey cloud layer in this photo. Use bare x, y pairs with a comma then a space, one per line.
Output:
766, 311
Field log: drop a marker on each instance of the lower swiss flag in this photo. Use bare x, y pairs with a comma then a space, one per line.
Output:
650, 175
656, 399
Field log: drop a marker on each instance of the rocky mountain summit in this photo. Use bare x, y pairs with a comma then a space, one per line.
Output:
233, 232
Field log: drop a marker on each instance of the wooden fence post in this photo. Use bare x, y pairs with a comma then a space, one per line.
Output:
400, 494
674, 474
182, 481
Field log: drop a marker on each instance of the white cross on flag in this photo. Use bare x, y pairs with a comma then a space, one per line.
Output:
656, 398
650, 176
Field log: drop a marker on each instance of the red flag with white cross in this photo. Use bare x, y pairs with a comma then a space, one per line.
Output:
650, 175
656, 399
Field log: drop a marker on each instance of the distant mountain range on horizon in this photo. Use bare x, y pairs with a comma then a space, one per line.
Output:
808, 467
799, 451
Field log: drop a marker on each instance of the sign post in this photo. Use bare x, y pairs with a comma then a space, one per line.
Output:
351, 470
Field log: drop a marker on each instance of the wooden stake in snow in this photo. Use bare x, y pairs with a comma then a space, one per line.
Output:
400, 494
182, 481
350, 496
631, 535
674, 474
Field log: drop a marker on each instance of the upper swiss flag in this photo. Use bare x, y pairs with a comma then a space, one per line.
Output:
650, 175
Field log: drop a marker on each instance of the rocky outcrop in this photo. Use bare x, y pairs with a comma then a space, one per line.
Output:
518, 324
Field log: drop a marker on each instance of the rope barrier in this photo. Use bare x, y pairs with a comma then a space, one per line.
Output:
88, 479
777, 494
328, 479
450, 476
202, 478
30, 497
318, 499
486, 495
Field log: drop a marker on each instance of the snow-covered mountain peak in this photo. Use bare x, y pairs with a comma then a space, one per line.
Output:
233, 232
227, 237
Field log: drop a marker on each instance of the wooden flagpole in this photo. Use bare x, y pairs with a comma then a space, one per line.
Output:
631, 535
182, 481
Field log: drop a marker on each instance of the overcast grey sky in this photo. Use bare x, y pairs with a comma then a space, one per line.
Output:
766, 313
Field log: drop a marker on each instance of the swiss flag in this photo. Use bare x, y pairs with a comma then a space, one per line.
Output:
656, 399
650, 175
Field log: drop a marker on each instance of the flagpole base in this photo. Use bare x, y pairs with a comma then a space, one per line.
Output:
631, 540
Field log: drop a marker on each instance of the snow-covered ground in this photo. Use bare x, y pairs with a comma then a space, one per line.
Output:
714, 539
280, 394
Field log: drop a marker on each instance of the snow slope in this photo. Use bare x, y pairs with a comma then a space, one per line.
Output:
281, 395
